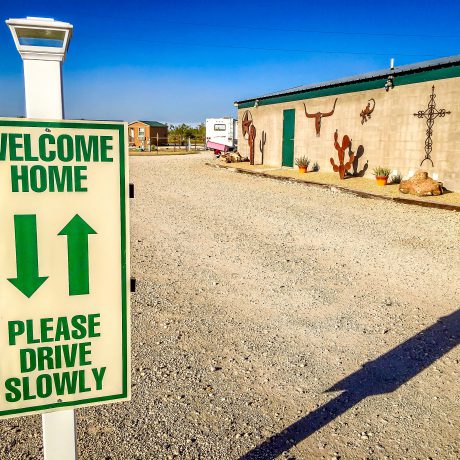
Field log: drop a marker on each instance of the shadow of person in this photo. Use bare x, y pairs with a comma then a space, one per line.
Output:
385, 374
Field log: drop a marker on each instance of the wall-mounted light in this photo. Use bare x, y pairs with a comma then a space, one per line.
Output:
389, 83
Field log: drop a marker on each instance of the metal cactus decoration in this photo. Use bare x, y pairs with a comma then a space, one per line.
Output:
342, 167
249, 133
262, 145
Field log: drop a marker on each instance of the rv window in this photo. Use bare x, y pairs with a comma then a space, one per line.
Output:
219, 127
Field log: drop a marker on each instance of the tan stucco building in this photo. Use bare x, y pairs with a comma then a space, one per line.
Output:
402, 102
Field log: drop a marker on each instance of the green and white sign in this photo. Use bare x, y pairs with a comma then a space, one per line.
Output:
64, 281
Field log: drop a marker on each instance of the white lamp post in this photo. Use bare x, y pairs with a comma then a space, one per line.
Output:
43, 44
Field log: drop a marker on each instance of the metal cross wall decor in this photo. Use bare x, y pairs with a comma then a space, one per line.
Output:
430, 113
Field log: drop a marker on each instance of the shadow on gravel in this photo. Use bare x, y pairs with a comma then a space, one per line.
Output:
383, 375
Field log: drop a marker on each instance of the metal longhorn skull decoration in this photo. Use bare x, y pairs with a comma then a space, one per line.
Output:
318, 116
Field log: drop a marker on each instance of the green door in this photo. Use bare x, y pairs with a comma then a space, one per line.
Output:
288, 137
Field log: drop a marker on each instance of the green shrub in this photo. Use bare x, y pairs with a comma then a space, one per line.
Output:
379, 171
302, 161
396, 178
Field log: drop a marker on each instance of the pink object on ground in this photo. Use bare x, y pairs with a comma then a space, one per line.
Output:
217, 146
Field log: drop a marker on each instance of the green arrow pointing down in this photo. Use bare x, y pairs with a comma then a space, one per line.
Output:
25, 233
77, 231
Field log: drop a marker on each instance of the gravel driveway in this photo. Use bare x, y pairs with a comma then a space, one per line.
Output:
254, 297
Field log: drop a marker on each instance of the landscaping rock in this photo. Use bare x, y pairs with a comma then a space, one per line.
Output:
421, 185
232, 157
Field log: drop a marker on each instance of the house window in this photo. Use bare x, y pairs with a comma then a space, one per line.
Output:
219, 127
141, 133
131, 132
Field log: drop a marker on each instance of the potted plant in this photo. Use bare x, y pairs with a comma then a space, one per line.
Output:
395, 178
302, 163
381, 174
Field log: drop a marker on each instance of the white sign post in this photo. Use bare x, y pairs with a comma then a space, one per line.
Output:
43, 94
63, 191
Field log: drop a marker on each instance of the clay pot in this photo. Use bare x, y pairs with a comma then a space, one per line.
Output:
382, 180
302, 169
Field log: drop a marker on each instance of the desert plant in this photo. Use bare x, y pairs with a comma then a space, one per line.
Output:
380, 171
342, 167
302, 161
315, 166
396, 178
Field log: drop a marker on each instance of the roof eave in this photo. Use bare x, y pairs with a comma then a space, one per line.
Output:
370, 76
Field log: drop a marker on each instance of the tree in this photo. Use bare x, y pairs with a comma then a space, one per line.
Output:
200, 131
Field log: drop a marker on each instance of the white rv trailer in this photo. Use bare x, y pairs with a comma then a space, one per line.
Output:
221, 134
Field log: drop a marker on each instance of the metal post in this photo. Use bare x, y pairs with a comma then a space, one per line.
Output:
44, 100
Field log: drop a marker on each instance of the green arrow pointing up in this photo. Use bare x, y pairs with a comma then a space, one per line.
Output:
25, 233
77, 231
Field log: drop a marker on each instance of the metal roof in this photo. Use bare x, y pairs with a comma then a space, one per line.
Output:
150, 123
410, 68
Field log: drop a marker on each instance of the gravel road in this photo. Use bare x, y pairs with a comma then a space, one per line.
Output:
254, 298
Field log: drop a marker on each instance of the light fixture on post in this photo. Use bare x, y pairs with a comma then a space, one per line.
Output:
42, 44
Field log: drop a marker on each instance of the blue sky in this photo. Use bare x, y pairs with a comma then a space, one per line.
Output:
183, 61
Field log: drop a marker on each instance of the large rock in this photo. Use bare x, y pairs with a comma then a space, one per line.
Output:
421, 185
231, 157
